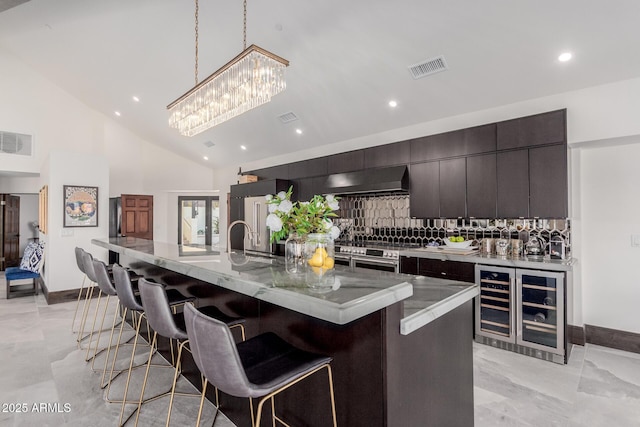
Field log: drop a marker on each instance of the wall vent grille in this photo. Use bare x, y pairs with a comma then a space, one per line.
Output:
428, 67
208, 144
16, 143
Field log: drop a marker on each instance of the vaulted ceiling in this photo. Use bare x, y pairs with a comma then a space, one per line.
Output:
348, 60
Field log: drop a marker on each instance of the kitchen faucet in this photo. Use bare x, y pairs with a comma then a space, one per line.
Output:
252, 235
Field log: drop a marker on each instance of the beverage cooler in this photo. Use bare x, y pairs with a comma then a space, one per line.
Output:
522, 310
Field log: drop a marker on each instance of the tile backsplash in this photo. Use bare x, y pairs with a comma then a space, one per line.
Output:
387, 219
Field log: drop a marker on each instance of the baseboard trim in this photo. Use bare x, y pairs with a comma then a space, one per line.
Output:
67, 295
621, 340
576, 334
606, 337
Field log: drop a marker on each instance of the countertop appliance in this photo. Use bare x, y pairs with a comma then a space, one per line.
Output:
255, 214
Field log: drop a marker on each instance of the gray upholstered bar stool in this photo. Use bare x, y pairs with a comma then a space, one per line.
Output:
260, 367
171, 325
132, 303
87, 262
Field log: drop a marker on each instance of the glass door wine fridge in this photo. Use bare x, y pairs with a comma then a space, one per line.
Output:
522, 310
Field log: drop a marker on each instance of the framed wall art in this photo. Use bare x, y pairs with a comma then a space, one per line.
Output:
80, 206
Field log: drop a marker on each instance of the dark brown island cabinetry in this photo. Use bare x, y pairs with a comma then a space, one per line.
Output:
482, 186
539, 129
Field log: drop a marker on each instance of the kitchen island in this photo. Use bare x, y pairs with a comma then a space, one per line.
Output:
402, 344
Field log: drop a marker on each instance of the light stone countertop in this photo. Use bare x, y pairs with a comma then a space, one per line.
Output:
356, 293
523, 262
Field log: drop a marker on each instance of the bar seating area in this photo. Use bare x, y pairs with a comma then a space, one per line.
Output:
258, 367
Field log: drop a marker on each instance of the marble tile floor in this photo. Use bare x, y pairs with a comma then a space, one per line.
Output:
39, 363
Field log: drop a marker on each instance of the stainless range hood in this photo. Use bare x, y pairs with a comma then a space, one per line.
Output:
382, 180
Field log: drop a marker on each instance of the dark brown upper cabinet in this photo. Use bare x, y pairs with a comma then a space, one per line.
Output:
387, 155
482, 186
539, 129
513, 184
453, 188
308, 168
424, 182
274, 172
346, 162
475, 140
548, 187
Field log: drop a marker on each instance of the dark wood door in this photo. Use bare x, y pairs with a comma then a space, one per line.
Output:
513, 184
11, 230
482, 186
548, 188
453, 188
137, 216
424, 181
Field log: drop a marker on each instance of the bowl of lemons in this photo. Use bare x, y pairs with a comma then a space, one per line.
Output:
457, 242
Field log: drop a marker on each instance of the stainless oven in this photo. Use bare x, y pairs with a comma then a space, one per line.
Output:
376, 263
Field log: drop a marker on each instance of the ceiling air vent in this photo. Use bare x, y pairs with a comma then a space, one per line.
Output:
288, 117
428, 67
208, 144
16, 143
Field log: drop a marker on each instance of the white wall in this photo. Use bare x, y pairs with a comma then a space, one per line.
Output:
33, 105
609, 216
69, 168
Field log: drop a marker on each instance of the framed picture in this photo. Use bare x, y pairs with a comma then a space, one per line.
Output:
80, 206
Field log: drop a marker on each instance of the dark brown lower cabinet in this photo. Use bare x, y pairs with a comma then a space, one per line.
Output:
453, 270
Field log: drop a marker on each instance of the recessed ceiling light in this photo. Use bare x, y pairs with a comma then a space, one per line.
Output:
205, 157
243, 147
136, 99
117, 113
564, 57
299, 131
393, 104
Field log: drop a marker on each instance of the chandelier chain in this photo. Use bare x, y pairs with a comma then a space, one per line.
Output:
196, 19
245, 27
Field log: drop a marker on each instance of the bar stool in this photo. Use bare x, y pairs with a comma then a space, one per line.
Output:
260, 367
132, 303
87, 262
171, 325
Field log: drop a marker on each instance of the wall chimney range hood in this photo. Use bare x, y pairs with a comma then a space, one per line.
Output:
382, 180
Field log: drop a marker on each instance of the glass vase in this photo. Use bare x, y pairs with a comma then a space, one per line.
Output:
294, 254
319, 254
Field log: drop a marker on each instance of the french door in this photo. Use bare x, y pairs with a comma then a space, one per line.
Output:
198, 220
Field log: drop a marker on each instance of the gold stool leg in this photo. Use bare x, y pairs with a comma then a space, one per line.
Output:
95, 351
75, 313
204, 390
85, 314
126, 387
93, 325
146, 376
175, 380
333, 400
106, 360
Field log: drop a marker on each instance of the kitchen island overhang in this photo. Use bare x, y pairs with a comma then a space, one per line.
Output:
402, 345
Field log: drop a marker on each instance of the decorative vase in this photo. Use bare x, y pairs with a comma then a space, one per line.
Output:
294, 254
319, 254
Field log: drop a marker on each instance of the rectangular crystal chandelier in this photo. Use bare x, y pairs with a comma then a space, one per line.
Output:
247, 81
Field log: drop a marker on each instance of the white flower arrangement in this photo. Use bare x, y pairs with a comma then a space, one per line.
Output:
314, 216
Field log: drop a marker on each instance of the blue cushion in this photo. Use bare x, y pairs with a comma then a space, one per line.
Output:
15, 273
32, 257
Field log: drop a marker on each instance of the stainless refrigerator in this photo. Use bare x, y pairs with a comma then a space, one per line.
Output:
255, 214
